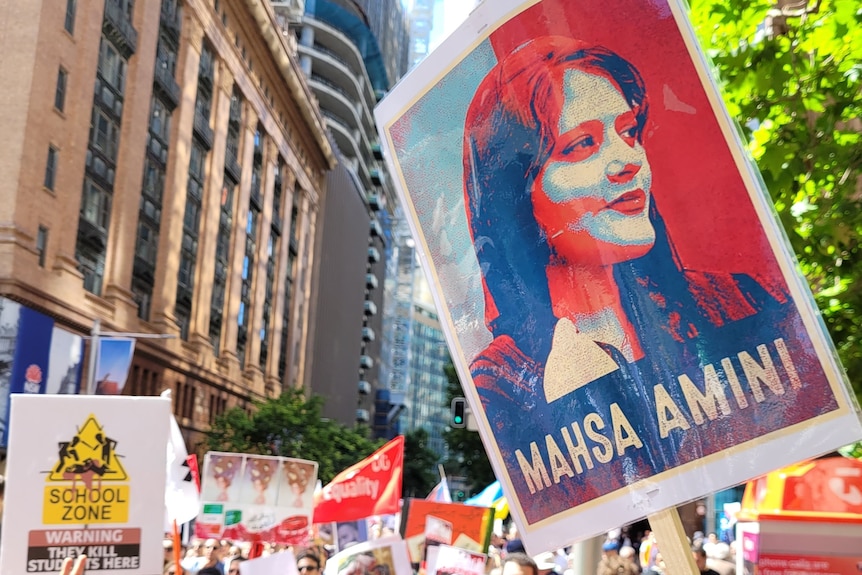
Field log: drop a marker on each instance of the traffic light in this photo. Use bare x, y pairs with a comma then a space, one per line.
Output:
459, 412
460, 496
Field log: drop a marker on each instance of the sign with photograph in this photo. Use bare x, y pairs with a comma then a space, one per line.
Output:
451, 560
256, 498
623, 310
465, 526
82, 483
385, 556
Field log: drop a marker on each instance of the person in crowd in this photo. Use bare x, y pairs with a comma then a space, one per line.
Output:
546, 563
233, 565
718, 558
171, 569
699, 554
308, 562
519, 564
611, 563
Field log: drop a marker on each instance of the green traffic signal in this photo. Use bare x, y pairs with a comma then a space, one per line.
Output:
459, 412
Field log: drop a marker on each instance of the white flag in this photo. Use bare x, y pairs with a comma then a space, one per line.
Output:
182, 500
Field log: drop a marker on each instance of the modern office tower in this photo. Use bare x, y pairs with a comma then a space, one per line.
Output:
347, 72
395, 372
427, 406
162, 171
421, 24
390, 24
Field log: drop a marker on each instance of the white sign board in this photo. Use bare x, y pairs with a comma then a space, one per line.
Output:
276, 564
80, 481
627, 321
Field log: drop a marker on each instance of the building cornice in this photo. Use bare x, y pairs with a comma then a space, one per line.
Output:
264, 16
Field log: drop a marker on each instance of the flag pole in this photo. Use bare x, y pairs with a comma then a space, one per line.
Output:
441, 471
175, 532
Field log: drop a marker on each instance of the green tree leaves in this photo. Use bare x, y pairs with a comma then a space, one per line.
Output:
420, 465
291, 426
793, 81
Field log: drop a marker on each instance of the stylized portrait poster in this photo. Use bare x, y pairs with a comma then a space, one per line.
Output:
623, 310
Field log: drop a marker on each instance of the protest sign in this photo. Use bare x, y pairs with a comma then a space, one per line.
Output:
623, 311
386, 555
81, 482
256, 498
283, 563
369, 487
465, 526
451, 560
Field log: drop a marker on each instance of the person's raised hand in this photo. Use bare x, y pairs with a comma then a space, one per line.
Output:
73, 566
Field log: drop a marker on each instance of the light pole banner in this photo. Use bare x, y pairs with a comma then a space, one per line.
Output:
624, 312
113, 364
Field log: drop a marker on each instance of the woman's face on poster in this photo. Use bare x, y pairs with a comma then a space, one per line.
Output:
592, 196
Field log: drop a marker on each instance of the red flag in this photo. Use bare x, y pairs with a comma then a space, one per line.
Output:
370, 487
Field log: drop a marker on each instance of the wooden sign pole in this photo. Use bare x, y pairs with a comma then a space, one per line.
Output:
672, 542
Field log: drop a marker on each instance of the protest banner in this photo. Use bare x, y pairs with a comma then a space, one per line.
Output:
369, 487
81, 482
623, 310
256, 498
465, 526
386, 555
451, 560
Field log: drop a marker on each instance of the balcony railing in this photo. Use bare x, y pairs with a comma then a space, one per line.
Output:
166, 85
117, 26
203, 130
320, 79
170, 19
231, 167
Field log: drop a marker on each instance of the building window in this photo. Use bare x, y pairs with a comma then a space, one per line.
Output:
51, 168
112, 66
223, 243
70, 16
96, 205
104, 135
271, 250
42, 244
60, 91
290, 278
248, 264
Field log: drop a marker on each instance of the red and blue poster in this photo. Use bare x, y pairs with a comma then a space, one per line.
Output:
624, 312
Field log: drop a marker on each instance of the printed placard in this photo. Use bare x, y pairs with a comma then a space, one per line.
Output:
623, 311
387, 555
256, 498
454, 561
466, 526
82, 482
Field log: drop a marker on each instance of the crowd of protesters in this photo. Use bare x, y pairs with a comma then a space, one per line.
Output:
506, 556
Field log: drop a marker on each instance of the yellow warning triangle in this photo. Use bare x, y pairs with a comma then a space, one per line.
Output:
90, 454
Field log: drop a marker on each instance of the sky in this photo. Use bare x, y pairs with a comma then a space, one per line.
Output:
448, 15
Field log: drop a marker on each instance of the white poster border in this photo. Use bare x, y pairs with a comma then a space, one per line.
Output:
685, 483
